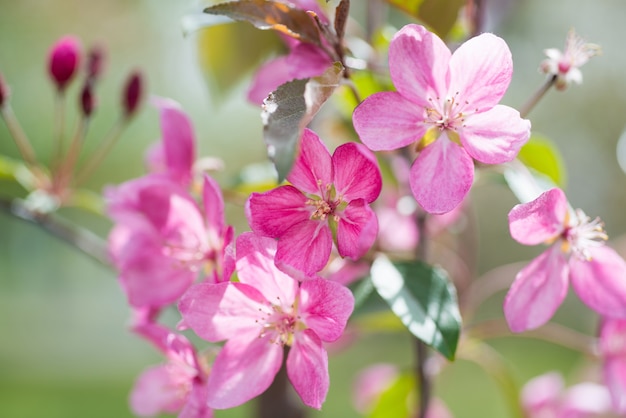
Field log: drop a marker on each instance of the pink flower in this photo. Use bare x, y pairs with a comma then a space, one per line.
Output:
304, 60
162, 240
261, 314
565, 65
178, 385
545, 397
577, 253
613, 353
327, 195
63, 60
447, 105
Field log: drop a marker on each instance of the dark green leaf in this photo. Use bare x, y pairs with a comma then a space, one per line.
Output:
396, 400
424, 299
289, 109
273, 15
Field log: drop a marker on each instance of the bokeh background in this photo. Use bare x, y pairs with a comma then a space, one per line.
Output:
64, 347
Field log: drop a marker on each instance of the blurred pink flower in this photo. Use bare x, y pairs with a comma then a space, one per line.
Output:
447, 104
565, 65
545, 397
261, 314
577, 253
613, 353
63, 60
327, 195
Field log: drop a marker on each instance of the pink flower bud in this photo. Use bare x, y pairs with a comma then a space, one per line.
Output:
95, 61
63, 60
4, 91
132, 93
87, 99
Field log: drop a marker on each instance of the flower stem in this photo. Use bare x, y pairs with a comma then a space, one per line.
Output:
66, 167
59, 109
530, 104
96, 159
20, 138
421, 349
279, 401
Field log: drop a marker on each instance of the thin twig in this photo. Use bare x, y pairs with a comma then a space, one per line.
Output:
421, 348
530, 104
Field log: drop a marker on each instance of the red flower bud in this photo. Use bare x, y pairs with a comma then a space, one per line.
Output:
4, 91
132, 93
63, 60
87, 99
95, 62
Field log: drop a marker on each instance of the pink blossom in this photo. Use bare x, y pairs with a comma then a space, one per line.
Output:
328, 199
545, 397
162, 240
447, 106
565, 65
577, 253
613, 353
178, 385
261, 314
304, 60
63, 60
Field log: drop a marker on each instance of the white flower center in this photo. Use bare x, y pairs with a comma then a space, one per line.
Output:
449, 114
582, 234
279, 324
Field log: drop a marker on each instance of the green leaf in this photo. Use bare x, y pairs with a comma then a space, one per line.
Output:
289, 109
87, 200
273, 15
540, 154
439, 15
396, 401
424, 299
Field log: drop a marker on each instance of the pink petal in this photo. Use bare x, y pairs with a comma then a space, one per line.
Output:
441, 176
155, 392
178, 140
312, 170
538, 291
601, 282
356, 173
256, 267
387, 121
356, 230
542, 393
612, 341
244, 368
217, 312
418, 64
614, 371
275, 212
267, 79
213, 204
495, 136
304, 249
307, 368
585, 399
325, 307
541, 220
196, 406
481, 70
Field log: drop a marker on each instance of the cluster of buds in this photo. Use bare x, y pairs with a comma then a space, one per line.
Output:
57, 180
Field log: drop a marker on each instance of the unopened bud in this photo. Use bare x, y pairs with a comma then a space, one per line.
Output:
95, 62
132, 93
87, 99
4, 91
63, 60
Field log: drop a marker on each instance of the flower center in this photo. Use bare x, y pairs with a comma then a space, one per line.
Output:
279, 324
324, 205
582, 234
446, 115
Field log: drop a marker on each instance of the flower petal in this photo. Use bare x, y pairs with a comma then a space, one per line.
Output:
155, 392
217, 312
305, 248
540, 220
538, 291
325, 307
441, 176
481, 70
356, 230
275, 212
386, 121
267, 79
307, 368
244, 368
586, 399
312, 170
418, 64
196, 406
256, 267
213, 205
614, 371
601, 282
495, 136
356, 173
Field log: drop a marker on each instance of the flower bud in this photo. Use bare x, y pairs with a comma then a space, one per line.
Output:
87, 99
63, 60
4, 91
95, 62
132, 93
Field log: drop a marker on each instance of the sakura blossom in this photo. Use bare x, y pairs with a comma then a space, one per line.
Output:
260, 316
613, 353
565, 65
446, 105
328, 200
577, 253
